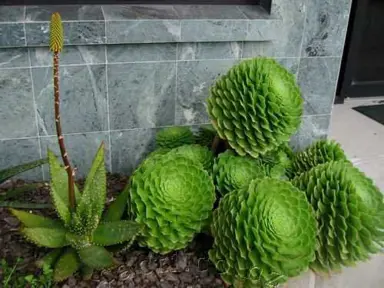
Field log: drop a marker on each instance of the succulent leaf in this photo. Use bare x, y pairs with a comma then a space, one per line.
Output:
172, 198
67, 265
320, 152
32, 220
96, 257
231, 172
92, 200
49, 259
56, 41
116, 210
205, 135
350, 214
5, 174
117, 232
199, 154
256, 106
263, 234
50, 237
173, 137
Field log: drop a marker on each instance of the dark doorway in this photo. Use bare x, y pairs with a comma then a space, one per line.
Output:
362, 73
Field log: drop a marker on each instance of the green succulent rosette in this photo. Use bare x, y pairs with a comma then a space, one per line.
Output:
205, 135
256, 106
350, 214
173, 137
199, 154
172, 198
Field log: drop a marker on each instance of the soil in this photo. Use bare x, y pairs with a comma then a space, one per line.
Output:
189, 268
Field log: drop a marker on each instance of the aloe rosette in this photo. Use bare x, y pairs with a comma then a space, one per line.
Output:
263, 234
350, 214
173, 137
232, 172
256, 106
320, 152
173, 200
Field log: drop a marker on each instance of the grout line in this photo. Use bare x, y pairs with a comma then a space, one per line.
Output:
302, 40
175, 95
242, 50
242, 13
35, 108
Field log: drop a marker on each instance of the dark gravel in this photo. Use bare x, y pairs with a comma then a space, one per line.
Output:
189, 268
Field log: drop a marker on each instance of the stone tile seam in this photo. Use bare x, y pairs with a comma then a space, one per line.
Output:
161, 61
134, 129
303, 35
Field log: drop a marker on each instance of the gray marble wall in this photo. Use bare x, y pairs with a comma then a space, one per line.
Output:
122, 93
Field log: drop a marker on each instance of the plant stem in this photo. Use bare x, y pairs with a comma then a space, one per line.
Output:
63, 151
215, 144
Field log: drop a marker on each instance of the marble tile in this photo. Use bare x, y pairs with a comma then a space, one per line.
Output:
261, 30
209, 12
67, 12
130, 147
366, 274
253, 12
129, 12
326, 26
95, 54
312, 128
318, 79
209, 50
141, 95
12, 35
12, 13
14, 58
17, 112
81, 149
141, 52
194, 78
83, 99
292, 64
142, 31
287, 41
19, 151
213, 30
75, 33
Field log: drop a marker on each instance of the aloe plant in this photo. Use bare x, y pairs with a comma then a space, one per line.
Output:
5, 174
80, 236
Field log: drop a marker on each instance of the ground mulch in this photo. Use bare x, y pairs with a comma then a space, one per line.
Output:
139, 267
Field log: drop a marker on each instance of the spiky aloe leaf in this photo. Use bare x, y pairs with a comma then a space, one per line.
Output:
59, 188
86, 272
32, 220
67, 264
111, 233
116, 210
50, 258
78, 241
13, 171
91, 204
51, 237
13, 193
96, 257
56, 41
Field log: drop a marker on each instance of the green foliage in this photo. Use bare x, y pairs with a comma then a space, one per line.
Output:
199, 154
8, 173
231, 172
205, 135
12, 279
278, 163
256, 106
320, 152
349, 210
173, 137
263, 234
81, 231
172, 198
116, 210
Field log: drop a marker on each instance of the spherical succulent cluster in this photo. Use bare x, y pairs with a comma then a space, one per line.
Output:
256, 106
320, 152
231, 172
349, 211
172, 198
199, 154
263, 234
173, 137
205, 135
